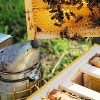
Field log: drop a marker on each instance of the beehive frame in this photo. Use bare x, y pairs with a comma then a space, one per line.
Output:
73, 72
37, 15
30, 23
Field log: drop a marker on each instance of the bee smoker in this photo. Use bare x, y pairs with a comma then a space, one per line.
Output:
20, 70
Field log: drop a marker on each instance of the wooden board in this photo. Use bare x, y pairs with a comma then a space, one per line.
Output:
5, 40
79, 90
90, 70
91, 82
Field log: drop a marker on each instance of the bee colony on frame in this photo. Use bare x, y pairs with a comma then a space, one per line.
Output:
71, 19
80, 81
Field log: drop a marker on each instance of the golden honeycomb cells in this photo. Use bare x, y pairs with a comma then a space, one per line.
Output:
42, 19
39, 4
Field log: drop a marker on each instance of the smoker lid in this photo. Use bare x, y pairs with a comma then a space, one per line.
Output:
18, 57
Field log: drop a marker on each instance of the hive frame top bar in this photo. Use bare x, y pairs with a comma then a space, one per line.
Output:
49, 30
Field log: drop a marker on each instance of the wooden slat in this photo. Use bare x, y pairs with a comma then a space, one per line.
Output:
29, 19
80, 90
90, 70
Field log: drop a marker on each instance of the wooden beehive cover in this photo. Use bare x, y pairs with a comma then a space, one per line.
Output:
41, 23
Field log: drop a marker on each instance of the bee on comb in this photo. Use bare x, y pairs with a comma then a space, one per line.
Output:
38, 29
78, 19
57, 24
74, 2
63, 1
67, 2
67, 16
96, 22
52, 11
73, 14
80, 6
55, 16
77, 37
63, 34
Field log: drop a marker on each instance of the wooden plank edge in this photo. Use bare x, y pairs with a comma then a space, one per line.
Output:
90, 70
79, 90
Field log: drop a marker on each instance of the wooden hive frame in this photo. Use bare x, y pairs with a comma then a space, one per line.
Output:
30, 24
49, 30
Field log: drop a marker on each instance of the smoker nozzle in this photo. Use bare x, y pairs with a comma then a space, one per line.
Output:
35, 43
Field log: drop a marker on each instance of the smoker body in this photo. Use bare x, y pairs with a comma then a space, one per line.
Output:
19, 64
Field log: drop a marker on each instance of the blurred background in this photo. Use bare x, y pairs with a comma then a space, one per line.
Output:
55, 54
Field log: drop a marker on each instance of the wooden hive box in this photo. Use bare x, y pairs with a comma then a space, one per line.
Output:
5, 40
79, 78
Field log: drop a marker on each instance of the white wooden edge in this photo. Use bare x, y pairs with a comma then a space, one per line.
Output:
90, 70
4, 37
82, 61
80, 90
41, 35
67, 74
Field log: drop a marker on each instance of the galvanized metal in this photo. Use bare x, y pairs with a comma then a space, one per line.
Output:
15, 62
18, 57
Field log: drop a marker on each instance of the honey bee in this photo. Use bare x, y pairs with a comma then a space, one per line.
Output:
52, 4
78, 19
55, 16
63, 1
52, 11
80, 6
57, 24
59, 7
67, 2
60, 17
63, 33
90, 7
49, 2
77, 37
96, 22
74, 2
38, 29
73, 14
67, 16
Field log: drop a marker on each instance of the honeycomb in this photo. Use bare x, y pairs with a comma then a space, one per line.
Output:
84, 28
